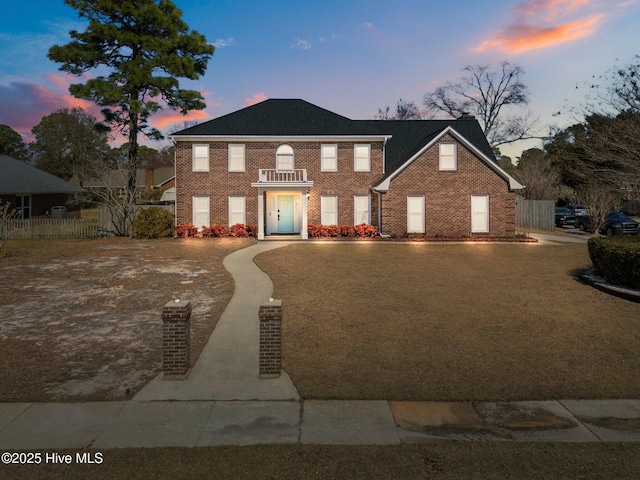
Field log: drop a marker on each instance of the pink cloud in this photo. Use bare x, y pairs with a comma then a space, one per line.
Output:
368, 24
545, 23
256, 98
166, 117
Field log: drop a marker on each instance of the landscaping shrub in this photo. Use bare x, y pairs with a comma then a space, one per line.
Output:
214, 231
238, 230
346, 231
324, 231
252, 230
184, 230
364, 230
154, 222
617, 259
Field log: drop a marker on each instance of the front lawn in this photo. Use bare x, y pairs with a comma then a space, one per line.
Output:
451, 322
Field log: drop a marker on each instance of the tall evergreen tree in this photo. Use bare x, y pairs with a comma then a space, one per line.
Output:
145, 47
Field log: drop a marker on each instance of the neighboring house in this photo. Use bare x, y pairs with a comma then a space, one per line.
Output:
163, 177
32, 192
282, 164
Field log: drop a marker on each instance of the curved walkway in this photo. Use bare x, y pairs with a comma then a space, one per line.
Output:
227, 368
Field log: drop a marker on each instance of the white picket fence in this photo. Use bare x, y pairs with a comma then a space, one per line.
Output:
51, 228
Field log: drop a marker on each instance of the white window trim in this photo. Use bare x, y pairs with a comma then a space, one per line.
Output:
355, 209
324, 214
195, 159
237, 146
355, 157
411, 214
323, 167
484, 211
454, 157
234, 213
195, 213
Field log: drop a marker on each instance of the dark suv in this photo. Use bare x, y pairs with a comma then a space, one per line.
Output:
616, 223
565, 217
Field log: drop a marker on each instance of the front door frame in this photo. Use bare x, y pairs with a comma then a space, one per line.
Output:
267, 210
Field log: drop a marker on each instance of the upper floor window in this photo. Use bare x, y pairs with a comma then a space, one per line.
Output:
284, 158
362, 158
200, 158
236, 158
329, 161
448, 156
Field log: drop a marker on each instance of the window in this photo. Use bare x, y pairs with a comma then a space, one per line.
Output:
237, 210
361, 209
415, 214
329, 161
236, 158
284, 158
329, 210
448, 156
480, 213
23, 206
201, 158
362, 158
201, 216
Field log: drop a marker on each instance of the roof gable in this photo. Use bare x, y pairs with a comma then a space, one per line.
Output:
19, 178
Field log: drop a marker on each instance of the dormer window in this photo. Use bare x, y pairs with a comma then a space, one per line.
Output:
284, 158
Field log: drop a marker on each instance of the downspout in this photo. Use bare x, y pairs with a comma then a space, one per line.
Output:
384, 171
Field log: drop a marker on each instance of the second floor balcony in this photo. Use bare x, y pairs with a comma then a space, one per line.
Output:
272, 176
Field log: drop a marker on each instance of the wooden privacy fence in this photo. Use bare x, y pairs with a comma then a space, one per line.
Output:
535, 214
51, 228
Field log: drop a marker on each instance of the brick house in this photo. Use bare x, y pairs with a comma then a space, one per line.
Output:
32, 192
282, 164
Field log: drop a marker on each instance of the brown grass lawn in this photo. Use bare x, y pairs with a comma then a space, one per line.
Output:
451, 322
80, 320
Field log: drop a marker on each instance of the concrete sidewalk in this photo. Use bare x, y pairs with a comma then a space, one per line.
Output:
103, 425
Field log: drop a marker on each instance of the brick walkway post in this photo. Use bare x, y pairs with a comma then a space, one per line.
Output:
270, 338
176, 340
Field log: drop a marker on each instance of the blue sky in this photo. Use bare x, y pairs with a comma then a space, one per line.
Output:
351, 57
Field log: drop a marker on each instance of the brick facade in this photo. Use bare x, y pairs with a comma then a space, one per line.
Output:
176, 340
448, 196
447, 193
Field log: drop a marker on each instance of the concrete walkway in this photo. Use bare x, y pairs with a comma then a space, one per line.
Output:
227, 404
227, 368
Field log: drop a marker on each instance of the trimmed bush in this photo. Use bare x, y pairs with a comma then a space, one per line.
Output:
214, 231
153, 222
185, 230
617, 259
238, 230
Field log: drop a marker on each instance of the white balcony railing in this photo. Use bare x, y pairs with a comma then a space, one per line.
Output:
271, 175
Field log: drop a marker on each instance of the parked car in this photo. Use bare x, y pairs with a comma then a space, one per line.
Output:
616, 223
577, 210
565, 217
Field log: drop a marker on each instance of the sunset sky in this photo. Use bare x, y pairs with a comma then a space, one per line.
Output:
351, 57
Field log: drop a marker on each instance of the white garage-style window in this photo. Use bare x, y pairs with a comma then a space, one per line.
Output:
201, 207
479, 213
361, 209
200, 155
237, 210
329, 160
284, 157
329, 210
236, 158
415, 214
362, 158
448, 156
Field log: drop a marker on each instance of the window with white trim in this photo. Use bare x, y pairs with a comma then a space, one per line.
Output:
284, 157
236, 158
200, 154
361, 209
237, 211
329, 210
361, 158
329, 160
201, 217
448, 156
479, 213
415, 214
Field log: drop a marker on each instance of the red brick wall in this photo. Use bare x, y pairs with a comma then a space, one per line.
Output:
448, 197
218, 183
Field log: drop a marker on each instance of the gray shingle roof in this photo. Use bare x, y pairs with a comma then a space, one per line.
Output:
19, 178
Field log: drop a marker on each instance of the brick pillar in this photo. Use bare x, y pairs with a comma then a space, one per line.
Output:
176, 340
270, 338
